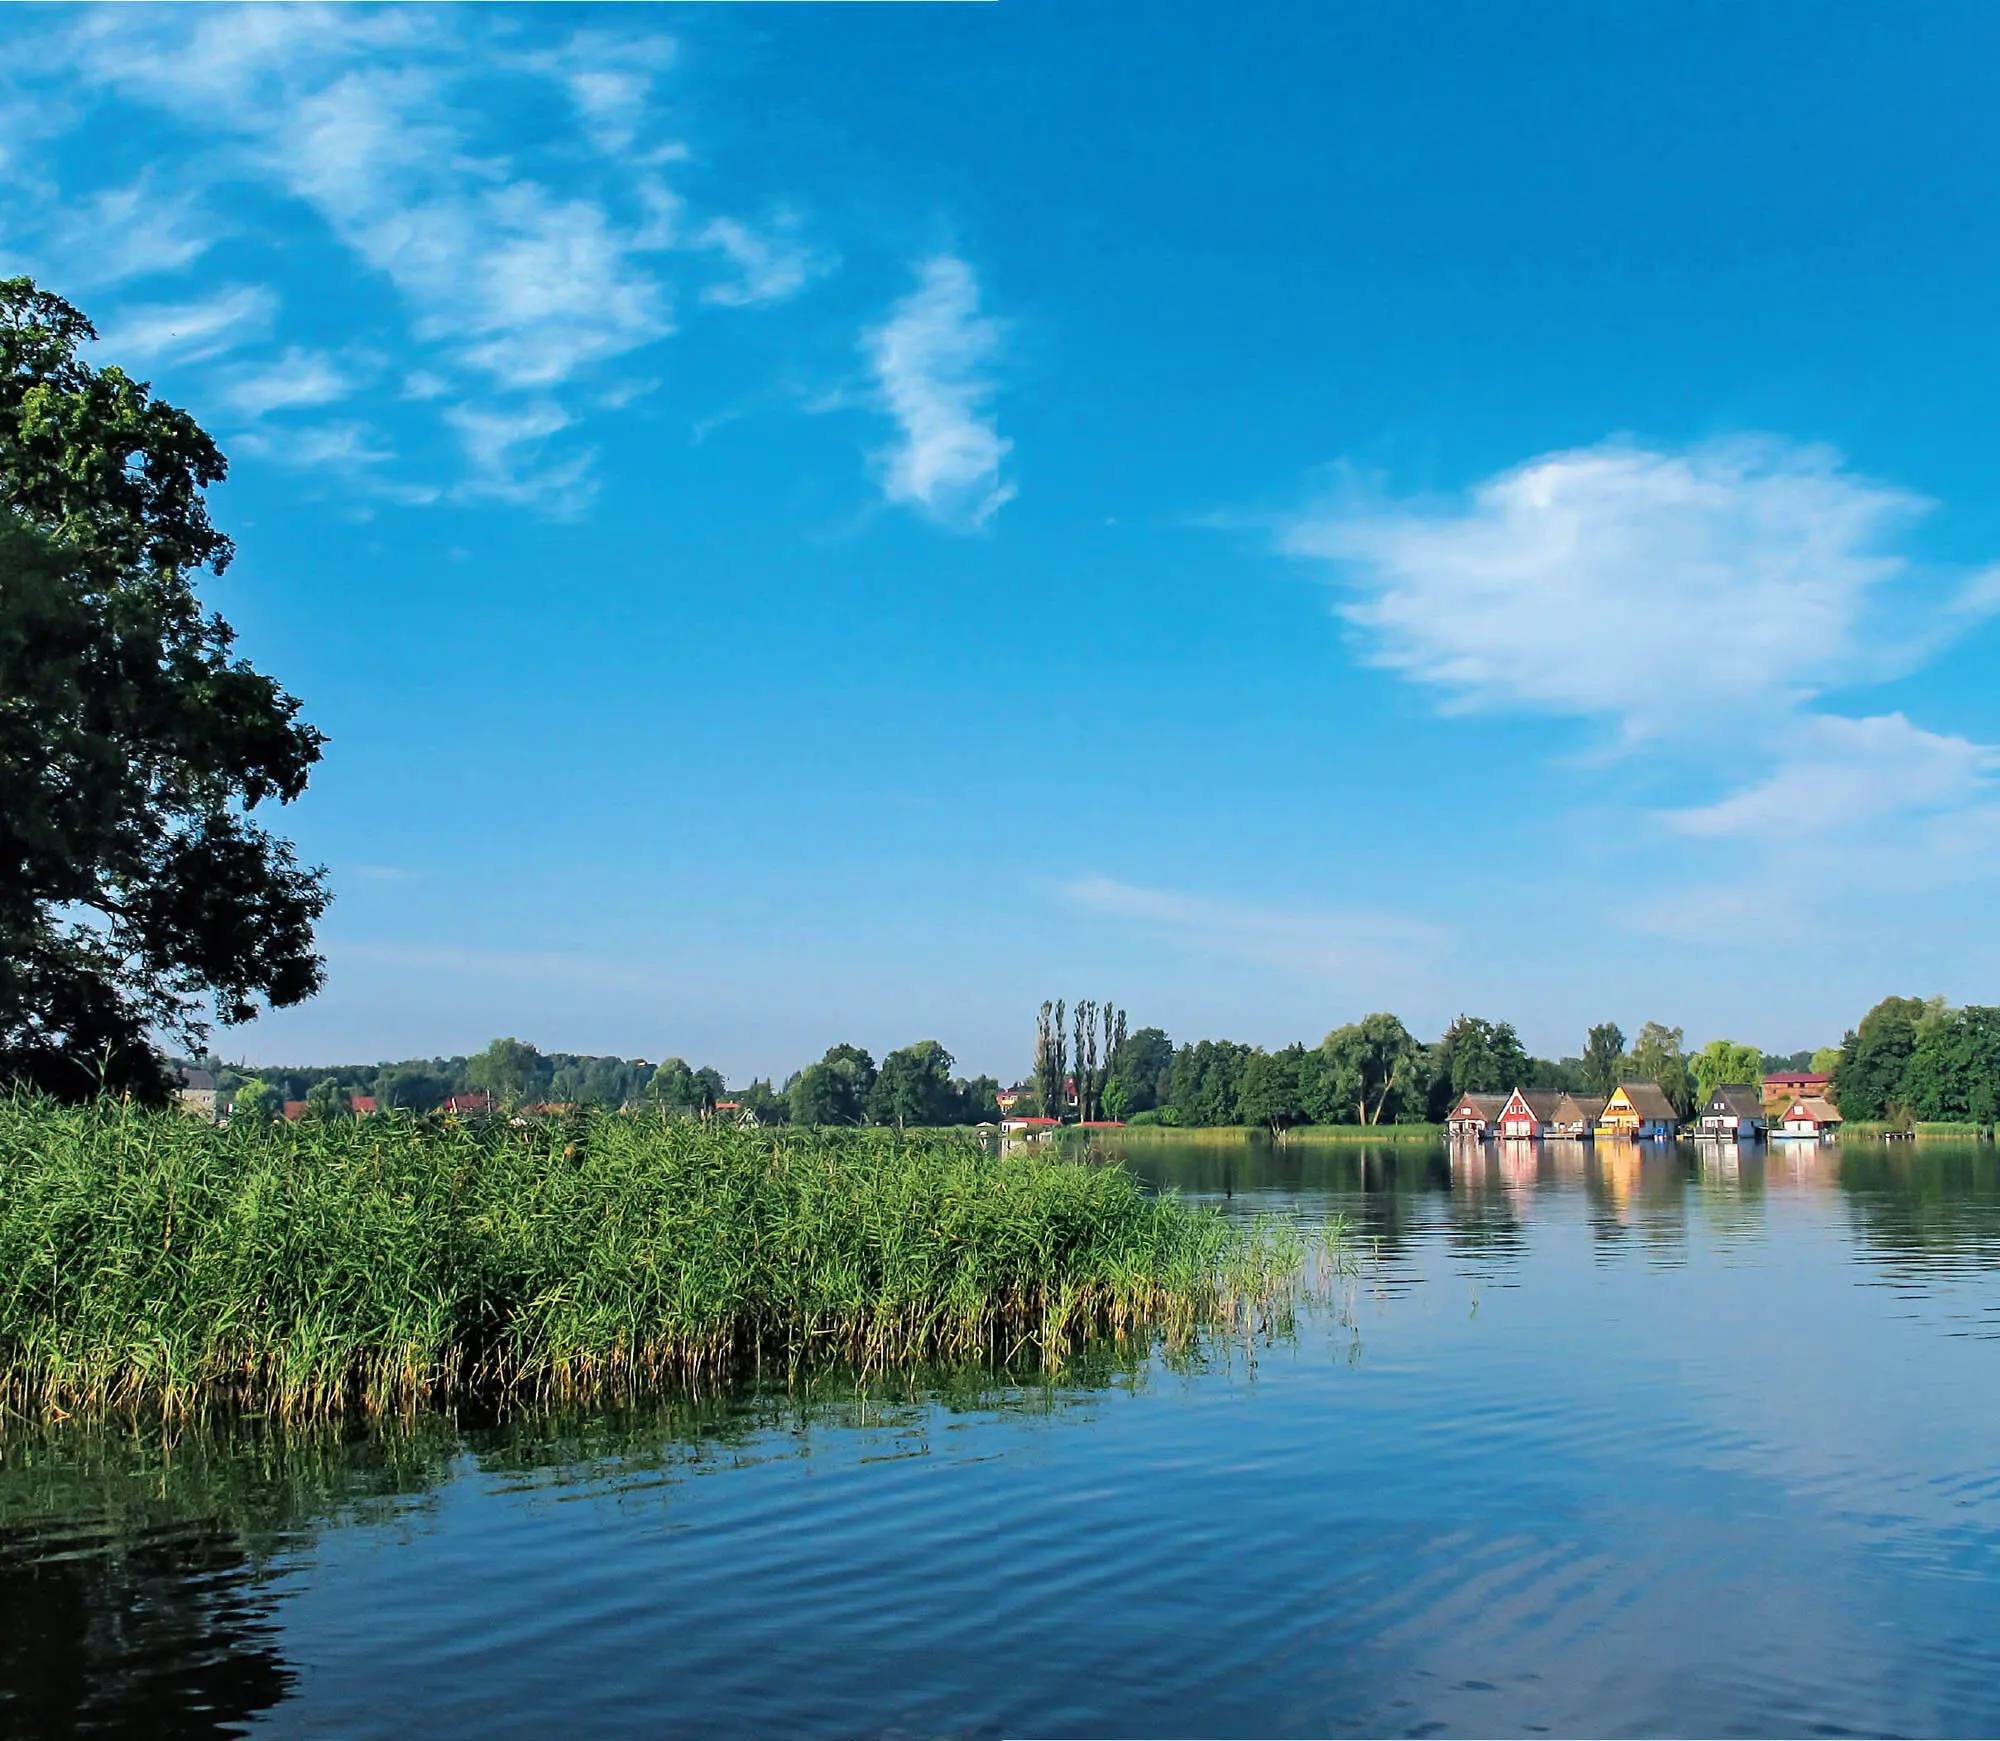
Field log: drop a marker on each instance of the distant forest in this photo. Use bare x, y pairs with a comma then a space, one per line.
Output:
1908, 1058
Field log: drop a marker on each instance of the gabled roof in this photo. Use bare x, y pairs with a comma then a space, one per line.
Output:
197, 1081
1486, 1105
1795, 1081
1542, 1102
1735, 1100
1579, 1109
1812, 1106
1648, 1101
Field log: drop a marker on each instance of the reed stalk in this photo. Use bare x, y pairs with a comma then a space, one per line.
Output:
150, 1262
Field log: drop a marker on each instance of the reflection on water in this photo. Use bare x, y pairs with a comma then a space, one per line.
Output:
1622, 1440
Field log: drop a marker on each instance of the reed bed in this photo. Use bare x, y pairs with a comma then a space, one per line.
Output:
150, 1262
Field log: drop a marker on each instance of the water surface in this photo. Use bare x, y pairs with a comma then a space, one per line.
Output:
1652, 1443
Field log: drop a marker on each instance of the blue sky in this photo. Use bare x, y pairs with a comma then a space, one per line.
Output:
838, 523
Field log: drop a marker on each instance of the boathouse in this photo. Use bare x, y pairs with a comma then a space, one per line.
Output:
1529, 1114
1810, 1116
1733, 1113
1576, 1117
1639, 1110
1475, 1115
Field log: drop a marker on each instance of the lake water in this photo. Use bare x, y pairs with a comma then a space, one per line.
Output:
1690, 1444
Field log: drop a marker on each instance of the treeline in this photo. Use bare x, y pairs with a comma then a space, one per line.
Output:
912, 1086
1917, 1058
1375, 1071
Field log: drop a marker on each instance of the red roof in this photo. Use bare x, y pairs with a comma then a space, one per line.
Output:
480, 1101
1795, 1081
1034, 1121
295, 1109
363, 1104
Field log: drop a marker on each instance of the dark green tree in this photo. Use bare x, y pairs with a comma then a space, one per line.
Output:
1051, 1060
1206, 1082
258, 1102
977, 1101
510, 1070
1954, 1067
1659, 1055
1868, 1080
914, 1087
836, 1090
1604, 1059
1268, 1093
1141, 1073
138, 894
1363, 1067
326, 1099
1476, 1056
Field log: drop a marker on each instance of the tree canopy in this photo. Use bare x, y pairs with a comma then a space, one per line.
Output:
137, 894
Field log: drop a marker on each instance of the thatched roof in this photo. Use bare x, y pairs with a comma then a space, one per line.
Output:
1649, 1102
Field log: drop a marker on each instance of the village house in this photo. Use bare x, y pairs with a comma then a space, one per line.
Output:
1576, 1117
1529, 1115
1638, 1110
1474, 1115
1027, 1126
1782, 1087
1810, 1116
196, 1093
1734, 1113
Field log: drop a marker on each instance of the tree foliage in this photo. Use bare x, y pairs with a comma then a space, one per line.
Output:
1724, 1061
1604, 1058
137, 893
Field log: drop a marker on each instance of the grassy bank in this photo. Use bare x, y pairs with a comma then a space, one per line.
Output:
1862, 1127
149, 1261
1221, 1134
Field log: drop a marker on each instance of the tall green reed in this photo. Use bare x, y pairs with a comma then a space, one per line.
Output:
153, 1262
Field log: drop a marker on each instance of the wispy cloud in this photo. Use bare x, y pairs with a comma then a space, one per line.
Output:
1362, 947
529, 264
122, 233
772, 265
194, 331
294, 380
931, 361
508, 455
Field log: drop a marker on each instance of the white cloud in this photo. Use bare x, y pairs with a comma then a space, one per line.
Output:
129, 232
930, 361
1705, 605
1839, 775
192, 331
1655, 590
506, 451
296, 379
344, 446
771, 267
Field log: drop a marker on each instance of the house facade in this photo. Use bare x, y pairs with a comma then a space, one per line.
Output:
196, 1093
1576, 1117
1810, 1116
1782, 1087
1474, 1115
1638, 1111
1733, 1113
1529, 1115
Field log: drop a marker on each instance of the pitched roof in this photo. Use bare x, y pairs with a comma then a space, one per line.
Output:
1579, 1109
1486, 1105
197, 1080
1649, 1102
1795, 1081
1735, 1100
1814, 1107
1542, 1102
